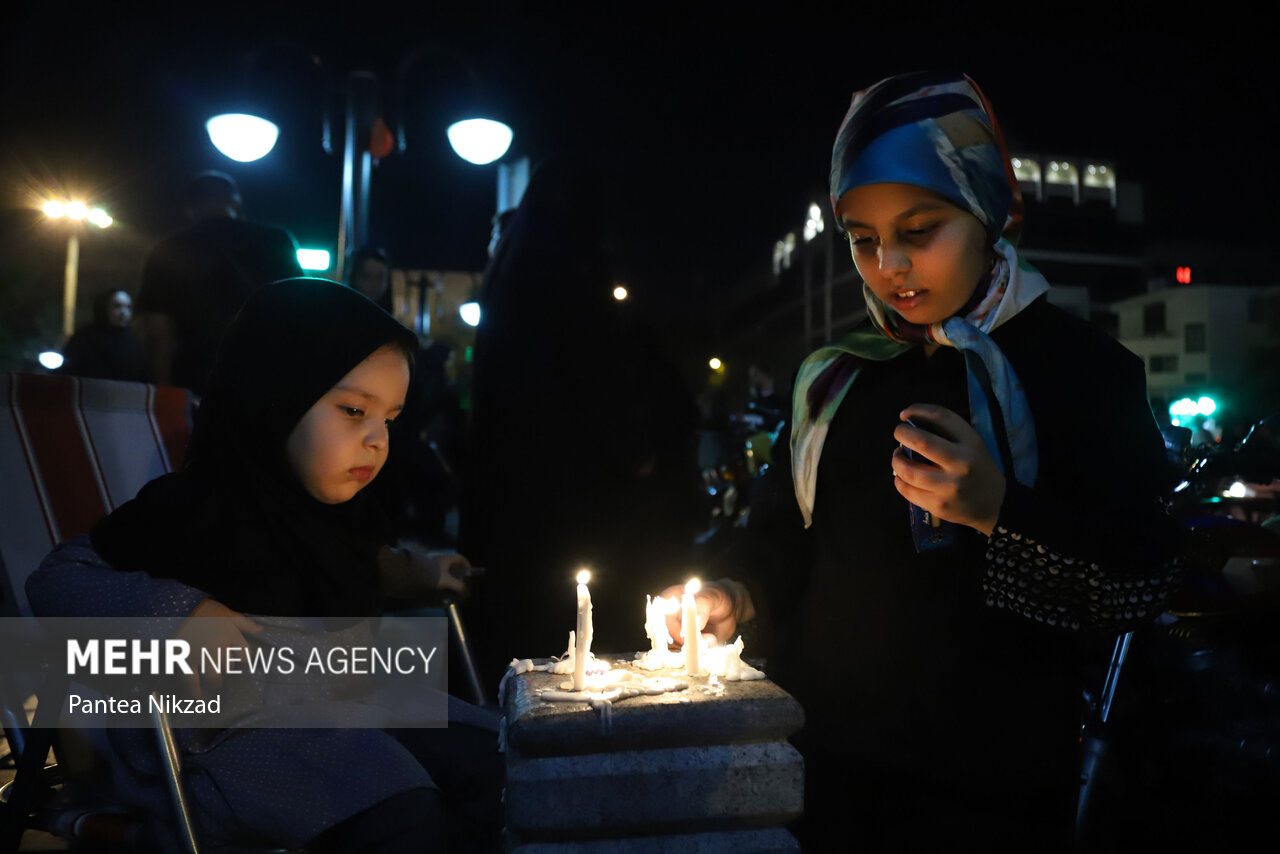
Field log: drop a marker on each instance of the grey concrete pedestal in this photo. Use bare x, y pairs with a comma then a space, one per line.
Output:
703, 770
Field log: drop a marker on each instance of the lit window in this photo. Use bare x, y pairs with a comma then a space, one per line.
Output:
1061, 172
1026, 169
813, 225
1099, 175
782, 251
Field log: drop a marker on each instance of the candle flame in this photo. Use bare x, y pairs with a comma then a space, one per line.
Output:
583, 576
693, 586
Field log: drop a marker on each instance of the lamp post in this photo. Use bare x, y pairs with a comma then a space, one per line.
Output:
75, 212
366, 139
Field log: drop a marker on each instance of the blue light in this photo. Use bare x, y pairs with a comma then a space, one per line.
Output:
479, 141
241, 136
51, 359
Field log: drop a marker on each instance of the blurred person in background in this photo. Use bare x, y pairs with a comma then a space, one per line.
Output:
194, 282
580, 446
107, 348
369, 272
419, 488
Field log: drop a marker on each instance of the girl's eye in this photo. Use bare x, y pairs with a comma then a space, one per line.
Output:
352, 411
922, 231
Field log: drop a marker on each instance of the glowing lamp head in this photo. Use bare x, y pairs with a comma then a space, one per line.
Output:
583, 576
619, 293
77, 210
715, 364
479, 141
470, 313
54, 209
242, 137
693, 586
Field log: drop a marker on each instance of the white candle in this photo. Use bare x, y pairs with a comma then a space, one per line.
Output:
689, 626
655, 625
582, 638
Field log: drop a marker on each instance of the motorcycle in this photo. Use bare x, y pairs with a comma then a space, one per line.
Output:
1191, 735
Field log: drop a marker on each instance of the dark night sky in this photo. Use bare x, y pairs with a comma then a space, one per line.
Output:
716, 123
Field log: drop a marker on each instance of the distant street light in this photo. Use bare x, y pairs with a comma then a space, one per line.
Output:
620, 293
715, 364
74, 211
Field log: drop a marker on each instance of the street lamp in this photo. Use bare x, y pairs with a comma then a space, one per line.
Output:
246, 137
75, 212
242, 137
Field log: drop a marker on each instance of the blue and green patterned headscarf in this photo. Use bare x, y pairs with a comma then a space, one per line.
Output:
936, 131
933, 130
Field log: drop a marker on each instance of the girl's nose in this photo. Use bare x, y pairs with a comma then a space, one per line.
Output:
378, 435
894, 259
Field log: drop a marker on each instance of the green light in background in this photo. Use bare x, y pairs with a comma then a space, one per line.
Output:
313, 259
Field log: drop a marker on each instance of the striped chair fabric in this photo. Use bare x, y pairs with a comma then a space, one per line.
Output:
71, 451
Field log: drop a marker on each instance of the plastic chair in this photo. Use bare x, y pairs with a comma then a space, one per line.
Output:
72, 450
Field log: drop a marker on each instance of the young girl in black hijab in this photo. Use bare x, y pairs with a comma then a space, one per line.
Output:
269, 516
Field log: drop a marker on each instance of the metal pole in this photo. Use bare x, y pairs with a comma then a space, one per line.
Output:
347, 214
362, 199
172, 759
69, 285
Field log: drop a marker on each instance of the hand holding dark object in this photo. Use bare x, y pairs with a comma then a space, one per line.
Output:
213, 626
957, 480
721, 606
411, 575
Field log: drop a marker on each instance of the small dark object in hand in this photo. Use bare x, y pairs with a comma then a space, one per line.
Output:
928, 532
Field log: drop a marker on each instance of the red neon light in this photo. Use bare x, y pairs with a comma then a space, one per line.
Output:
1183, 275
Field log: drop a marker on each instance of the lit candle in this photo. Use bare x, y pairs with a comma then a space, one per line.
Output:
582, 638
689, 626
655, 624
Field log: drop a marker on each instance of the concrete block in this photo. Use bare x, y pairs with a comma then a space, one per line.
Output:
686, 788
772, 840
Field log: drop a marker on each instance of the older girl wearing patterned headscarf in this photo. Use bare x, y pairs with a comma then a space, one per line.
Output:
960, 544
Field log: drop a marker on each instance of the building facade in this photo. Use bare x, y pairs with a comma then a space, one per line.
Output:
1220, 341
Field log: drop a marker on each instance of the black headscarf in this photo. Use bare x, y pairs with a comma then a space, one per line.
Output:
235, 522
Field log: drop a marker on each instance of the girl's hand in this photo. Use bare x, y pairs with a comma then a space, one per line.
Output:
413, 576
454, 570
213, 626
965, 485
721, 606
